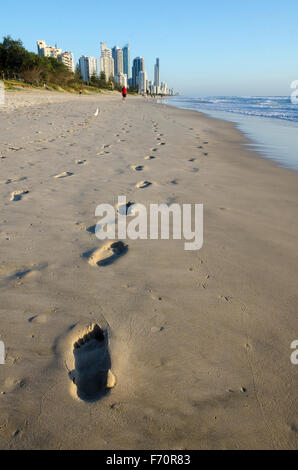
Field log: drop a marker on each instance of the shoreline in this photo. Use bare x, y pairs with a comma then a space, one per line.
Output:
246, 141
272, 138
199, 342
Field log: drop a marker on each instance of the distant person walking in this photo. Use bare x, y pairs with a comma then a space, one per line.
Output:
124, 94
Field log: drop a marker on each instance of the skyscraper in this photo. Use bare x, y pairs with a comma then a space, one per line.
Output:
138, 66
67, 58
157, 72
142, 82
121, 79
117, 54
88, 67
106, 61
126, 60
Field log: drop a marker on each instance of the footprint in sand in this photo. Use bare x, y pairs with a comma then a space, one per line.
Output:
92, 373
38, 319
154, 150
108, 254
65, 174
26, 273
91, 229
15, 149
157, 329
192, 160
138, 167
17, 195
125, 209
143, 184
149, 157
81, 162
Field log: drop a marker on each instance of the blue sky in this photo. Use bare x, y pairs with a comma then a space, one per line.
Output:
210, 47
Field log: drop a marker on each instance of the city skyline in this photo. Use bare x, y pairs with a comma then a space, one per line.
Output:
213, 42
114, 63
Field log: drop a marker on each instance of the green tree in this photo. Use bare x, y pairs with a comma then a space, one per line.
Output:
103, 80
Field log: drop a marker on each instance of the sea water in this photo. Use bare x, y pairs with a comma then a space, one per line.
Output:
271, 122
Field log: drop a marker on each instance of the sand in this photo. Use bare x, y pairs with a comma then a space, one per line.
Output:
195, 345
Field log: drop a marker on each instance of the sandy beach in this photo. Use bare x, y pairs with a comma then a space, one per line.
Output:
198, 342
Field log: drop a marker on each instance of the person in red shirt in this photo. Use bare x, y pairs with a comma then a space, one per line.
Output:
124, 93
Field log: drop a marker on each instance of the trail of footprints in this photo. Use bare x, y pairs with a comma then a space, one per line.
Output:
92, 372
18, 194
112, 251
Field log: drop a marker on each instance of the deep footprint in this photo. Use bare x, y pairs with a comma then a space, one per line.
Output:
138, 167
17, 195
92, 370
108, 254
65, 174
143, 184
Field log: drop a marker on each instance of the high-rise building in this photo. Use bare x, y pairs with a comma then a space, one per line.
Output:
48, 51
121, 79
88, 67
106, 61
138, 66
142, 82
157, 73
66, 58
164, 88
126, 60
117, 54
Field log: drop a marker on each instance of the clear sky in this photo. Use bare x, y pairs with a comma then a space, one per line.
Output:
210, 47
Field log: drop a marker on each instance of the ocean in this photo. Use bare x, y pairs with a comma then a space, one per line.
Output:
271, 122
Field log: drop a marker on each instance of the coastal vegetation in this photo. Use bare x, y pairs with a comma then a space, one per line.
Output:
20, 68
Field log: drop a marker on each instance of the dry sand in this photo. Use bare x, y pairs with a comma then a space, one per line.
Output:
198, 342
